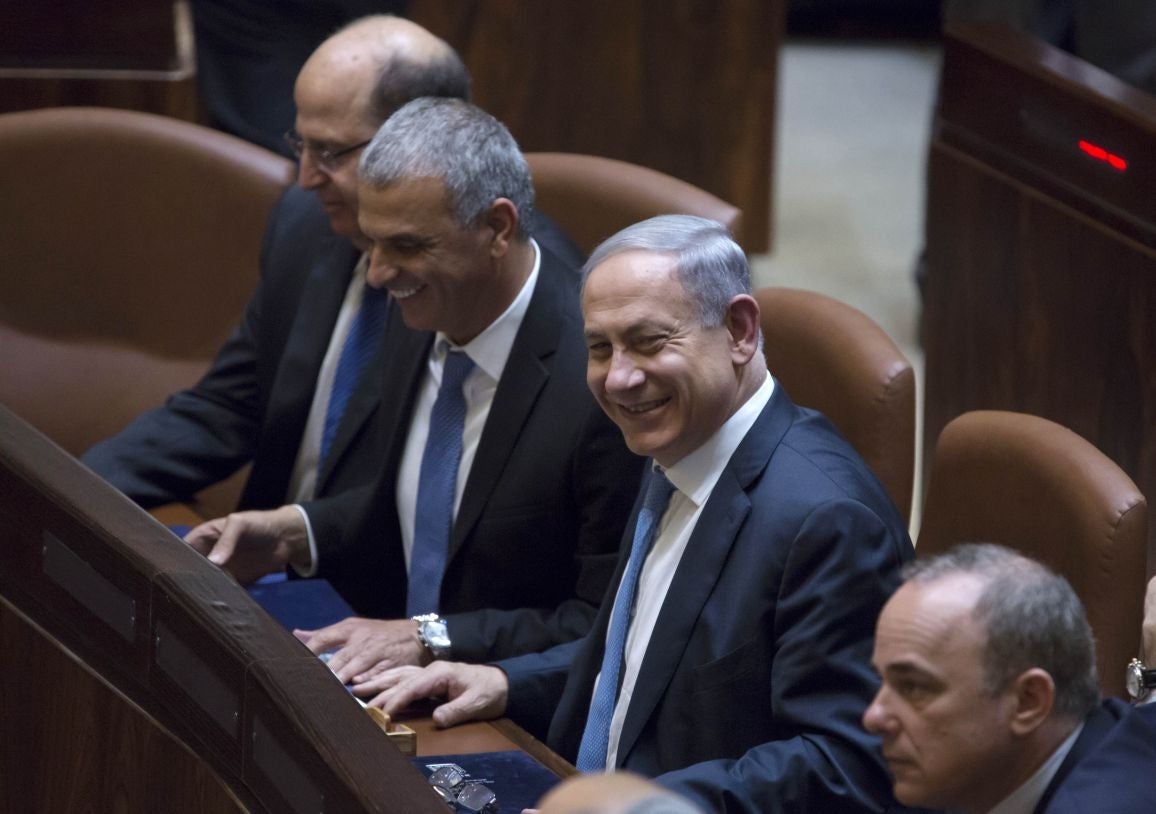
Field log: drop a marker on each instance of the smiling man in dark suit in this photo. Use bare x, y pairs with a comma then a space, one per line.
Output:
731, 658
990, 701
502, 488
266, 397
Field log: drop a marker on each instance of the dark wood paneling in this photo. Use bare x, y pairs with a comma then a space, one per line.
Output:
1041, 289
99, 53
687, 87
70, 743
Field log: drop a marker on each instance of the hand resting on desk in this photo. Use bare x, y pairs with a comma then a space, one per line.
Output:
366, 647
473, 692
250, 545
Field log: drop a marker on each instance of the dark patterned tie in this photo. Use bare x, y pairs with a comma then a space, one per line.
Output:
596, 738
360, 343
436, 486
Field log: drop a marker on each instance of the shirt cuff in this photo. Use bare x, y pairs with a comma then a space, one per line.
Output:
308, 569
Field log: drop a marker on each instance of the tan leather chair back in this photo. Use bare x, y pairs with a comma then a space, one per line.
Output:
835, 359
129, 244
1037, 487
593, 197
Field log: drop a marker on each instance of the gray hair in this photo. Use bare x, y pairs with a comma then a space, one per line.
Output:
462, 146
709, 264
1032, 618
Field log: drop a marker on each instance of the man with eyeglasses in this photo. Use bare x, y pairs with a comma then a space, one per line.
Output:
284, 393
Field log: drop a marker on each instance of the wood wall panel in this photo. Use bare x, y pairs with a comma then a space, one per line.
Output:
687, 87
114, 758
1041, 288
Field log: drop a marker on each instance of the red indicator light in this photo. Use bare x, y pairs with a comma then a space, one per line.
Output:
1100, 154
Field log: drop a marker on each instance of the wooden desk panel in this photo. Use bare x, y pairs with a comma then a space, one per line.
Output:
1041, 286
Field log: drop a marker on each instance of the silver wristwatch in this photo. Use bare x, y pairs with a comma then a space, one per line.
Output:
431, 629
1139, 680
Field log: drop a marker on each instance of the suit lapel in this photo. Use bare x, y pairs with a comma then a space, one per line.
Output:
361, 405
526, 373
701, 566
306, 343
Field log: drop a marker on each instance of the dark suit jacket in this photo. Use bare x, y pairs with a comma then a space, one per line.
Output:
750, 695
1111, 767
536, 535
253, 403
255, 399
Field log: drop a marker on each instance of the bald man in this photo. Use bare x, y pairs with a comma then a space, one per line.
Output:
267, 398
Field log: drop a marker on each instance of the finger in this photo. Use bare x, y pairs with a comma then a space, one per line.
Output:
421, 685
303, 635
327, 638
202, 537
226, 544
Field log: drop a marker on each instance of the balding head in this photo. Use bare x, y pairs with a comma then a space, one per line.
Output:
348, 87
385, 61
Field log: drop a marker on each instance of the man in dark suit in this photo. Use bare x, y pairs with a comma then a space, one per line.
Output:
990, 700
518, 552
266, 398
731, 661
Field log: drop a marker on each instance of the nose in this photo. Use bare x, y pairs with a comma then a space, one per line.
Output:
624, 374
876, 718
381, 270
309, 173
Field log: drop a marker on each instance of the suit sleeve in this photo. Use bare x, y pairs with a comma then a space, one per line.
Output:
200, 435
840, 569
604, 477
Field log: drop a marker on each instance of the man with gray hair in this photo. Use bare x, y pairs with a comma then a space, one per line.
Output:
494, 519
730, 661
990, 701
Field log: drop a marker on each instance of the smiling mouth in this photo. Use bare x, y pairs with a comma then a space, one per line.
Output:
404, 293
644, 407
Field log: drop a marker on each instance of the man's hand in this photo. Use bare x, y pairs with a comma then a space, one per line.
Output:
367, 647
250, 545
1148, 640
474, 692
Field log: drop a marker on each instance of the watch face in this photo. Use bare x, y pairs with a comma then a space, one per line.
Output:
436, 634
1132, 681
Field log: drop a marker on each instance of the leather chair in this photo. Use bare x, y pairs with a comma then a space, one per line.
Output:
594, 197
1032, 485
129, 244
835, 359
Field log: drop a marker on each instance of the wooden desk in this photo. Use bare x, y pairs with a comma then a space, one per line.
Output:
1041, 255
137, 677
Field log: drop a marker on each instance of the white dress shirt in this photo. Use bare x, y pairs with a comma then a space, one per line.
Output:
694, 478
1025, 798
490, 350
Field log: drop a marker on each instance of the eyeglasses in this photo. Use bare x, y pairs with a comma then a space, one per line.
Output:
328, 159
449, 781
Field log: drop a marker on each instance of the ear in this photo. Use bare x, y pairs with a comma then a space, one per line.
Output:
502, 217
1034, 692
742, 322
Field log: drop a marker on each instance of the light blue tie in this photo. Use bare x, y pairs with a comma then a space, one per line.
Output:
436, 486
364, 334
596, 738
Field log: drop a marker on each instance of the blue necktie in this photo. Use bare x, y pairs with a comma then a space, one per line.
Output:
596, 738
360, 343
436, 485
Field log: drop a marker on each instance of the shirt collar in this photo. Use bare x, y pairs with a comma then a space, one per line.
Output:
696, 474
1025, 798
491, 348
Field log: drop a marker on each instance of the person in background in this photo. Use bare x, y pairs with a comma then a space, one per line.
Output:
990, 701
